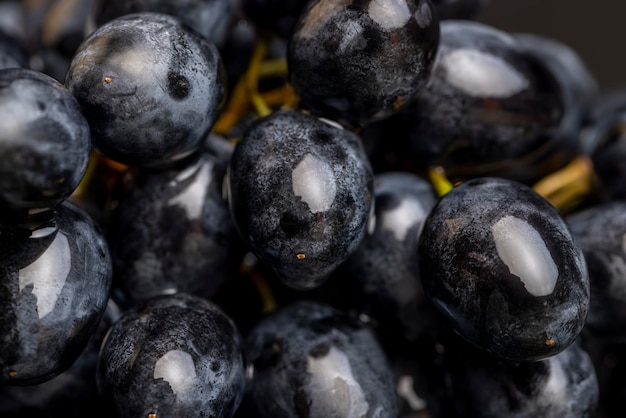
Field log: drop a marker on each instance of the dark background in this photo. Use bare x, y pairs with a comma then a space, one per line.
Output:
594, 29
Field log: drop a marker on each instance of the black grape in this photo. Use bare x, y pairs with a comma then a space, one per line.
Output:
150, 88
55, 281
311, 360
171, 230
44, 142
382, 277
501, 264
600, 231
360, 62
213, 19
300, 191
172, 356
562, 386
489, 109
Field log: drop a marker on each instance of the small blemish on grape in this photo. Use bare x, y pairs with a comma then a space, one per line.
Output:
177, 85
550, 342
152, 415
300, 256
12, 373
108, 80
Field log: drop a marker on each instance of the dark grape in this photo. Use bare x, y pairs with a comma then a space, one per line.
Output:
173, 356
500, 262
54, 287
357, 62
213, 19
562, 386
382, 275
44, 141
311, 360
273, 16
12, 53
300, 191
600, 231
171, 230
150, 89
489, 109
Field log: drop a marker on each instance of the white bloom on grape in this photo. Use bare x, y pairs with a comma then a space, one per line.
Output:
177, 368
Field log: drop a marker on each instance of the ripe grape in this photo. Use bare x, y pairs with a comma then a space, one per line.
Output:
361, 62
501, 264
150, 88
300, 191
173, 356
309, 359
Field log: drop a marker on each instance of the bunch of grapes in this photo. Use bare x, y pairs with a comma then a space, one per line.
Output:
289, 208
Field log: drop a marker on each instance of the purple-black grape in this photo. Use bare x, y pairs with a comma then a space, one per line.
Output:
300, 191
213, 19
173, 356
71, 394
150, 88
501, 264
357, 62
44, 141
489, 109
273, 16
562, 386
311, 360
171, 230
600, 231
13, 53
607, 155
54, 287
382, 275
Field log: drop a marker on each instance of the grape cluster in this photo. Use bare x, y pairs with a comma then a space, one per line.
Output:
290, 208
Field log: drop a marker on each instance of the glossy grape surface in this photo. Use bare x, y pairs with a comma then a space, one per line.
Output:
171, 230
55, 282
356, 62
489, 108
212, 19
173, 356
383, 275
601, 233
300, 191
44, 141
311, 360
562, 386
150, 88
500, 262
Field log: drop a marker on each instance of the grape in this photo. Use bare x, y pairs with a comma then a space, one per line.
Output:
312, 360
212, 19
174, 356
274, 16
300, 191
600, 231
562, 386
55, 281
501, 264
489, 109
171, 230
361, 62
382, 278
44, 142
12, 53
150, 89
